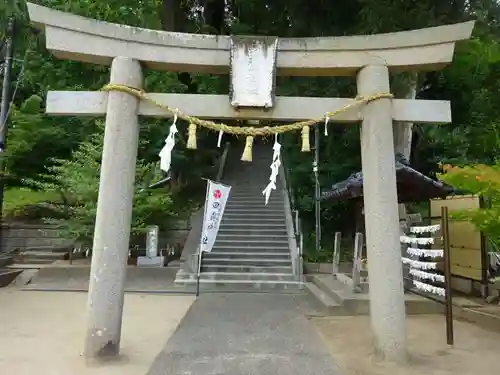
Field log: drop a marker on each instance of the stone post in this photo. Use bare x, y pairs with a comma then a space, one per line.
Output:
387, 304
356, 262
114, 214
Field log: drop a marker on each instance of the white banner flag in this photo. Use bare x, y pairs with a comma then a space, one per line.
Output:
215, 203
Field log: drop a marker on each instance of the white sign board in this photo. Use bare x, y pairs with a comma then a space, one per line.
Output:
217, 195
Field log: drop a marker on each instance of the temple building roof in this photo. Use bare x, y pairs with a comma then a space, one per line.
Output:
412, 185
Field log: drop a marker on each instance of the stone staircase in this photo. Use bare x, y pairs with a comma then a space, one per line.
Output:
252, 250
41, 256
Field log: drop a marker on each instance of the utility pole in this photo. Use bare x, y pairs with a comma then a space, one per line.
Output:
317, 188
4, 110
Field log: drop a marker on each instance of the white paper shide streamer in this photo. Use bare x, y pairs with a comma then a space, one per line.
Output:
422, 275
219, 139
429, 253
275, 166
425, 229
429, 288
423, 272
166, 152
416, 240
416, 264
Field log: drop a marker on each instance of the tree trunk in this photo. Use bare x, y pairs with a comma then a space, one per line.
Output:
402, 132
214, 14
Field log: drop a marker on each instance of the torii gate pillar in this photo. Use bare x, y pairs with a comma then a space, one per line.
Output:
387, 310
114, 214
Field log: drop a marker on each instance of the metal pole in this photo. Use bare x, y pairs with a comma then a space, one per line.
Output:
198, 272
200, 254
4, 110
336, 254
447, 275
317, 190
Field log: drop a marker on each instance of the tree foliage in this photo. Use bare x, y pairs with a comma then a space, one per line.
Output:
47, 150
484, 181
76, 180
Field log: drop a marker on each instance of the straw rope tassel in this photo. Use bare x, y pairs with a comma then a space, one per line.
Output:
191, 143
247, 152
306, 147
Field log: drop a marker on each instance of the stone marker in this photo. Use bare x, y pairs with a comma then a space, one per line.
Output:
152, 259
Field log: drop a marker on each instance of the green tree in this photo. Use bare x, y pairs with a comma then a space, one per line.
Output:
76, 180
484, 181
471, 83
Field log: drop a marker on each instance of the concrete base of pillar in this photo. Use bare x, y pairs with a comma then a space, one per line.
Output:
150, 262
346, 279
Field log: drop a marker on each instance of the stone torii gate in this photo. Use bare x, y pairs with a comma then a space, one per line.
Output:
126, 49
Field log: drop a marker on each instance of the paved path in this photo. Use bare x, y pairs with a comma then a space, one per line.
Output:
244, 334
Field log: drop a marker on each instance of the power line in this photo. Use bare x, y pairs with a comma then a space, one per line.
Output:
5, 109
13, 97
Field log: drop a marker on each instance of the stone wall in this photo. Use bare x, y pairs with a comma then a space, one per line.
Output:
39, 236
31, 236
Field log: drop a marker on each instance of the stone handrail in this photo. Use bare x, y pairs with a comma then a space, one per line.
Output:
222, 163
73, 37
292, 225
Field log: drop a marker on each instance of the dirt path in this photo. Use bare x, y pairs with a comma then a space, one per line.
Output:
43, 332
475, 351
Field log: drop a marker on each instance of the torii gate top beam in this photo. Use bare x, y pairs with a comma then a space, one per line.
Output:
77, 38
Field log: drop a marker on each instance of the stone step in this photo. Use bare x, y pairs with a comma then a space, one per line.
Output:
252, 187
246, 249
257, 198
248, 220
253, 215
42, 253
254, 225
335, 289
260, 212
246, 268
327, 304
254, 192
252, 231
7, 276
249, 238
259, 276
256, 210
246, 255
257, 203
254, 262
42, 256
359, 303
243, 242
245, 285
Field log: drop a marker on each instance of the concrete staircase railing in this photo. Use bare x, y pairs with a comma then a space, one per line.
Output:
293, 227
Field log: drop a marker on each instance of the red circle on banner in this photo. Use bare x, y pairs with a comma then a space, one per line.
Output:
217, 194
